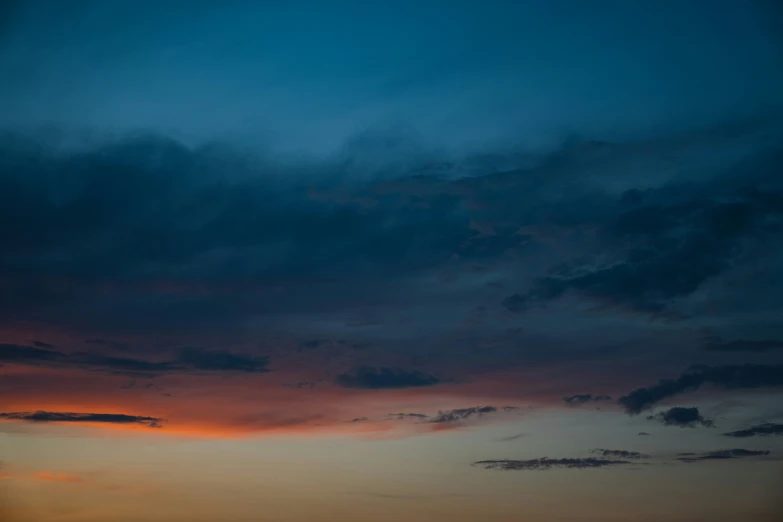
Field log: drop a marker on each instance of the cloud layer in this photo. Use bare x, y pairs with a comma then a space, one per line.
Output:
188, 359
93, 418
728, 454
204, 268
546, 463
621, 454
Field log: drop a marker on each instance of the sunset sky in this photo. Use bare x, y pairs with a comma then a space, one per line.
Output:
357, 261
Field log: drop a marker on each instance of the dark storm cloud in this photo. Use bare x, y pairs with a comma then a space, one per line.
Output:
748, 376
763, 430
145, 230
41, 344
53, 416
188, 359
668, 252
620, 454
716, 344
462, 414
575, 400
682, 417
643, 433
377, 378
176, 204
145, 235
147, 222
721, 455
546, 463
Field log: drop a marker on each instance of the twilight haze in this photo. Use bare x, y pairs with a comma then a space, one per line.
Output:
378, 261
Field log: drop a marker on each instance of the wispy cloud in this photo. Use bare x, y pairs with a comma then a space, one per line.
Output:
461, 414
583, 398
620, 454
727, 454
716, 344
761, 430
404, 416
70, 417
189, 359
512, 437
55, 476
546, 463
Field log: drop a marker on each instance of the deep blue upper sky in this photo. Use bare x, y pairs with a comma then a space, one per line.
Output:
309, 76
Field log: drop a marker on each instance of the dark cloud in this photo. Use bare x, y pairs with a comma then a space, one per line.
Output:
107, 342
546, 463
643, 433
120, 364
219, 360
716, 344
516, 303
338, 343
620, 454
36, 356
403, 416
462, 414
748, 376
575, 400
766, 429
146, 215
721, 455
301, 385
666, 251
376, 378
313, 343
14, 353
148, 231
682, 417
186, 360
41, 344
111, 418
647, 282
358, 419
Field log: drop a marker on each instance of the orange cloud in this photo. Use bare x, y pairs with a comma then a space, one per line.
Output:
53, 476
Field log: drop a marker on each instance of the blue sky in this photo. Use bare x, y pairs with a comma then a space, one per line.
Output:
457, 74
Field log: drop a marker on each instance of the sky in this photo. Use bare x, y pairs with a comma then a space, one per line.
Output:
422, 261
